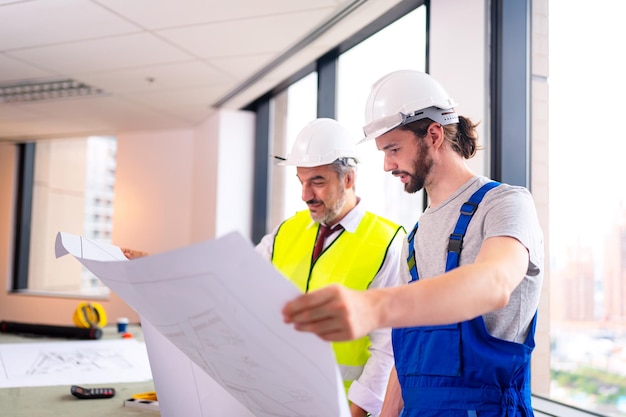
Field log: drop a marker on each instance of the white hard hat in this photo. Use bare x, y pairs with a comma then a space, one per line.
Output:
403, 97
321, 142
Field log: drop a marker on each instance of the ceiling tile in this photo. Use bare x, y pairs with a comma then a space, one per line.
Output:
158, 77
103, 54
35, 23
198, 96
192, 104
246, 36
159, 14
241, 67
104, 115
259, 88
13, 70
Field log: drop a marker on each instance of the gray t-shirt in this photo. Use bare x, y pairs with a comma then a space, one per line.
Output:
504, 211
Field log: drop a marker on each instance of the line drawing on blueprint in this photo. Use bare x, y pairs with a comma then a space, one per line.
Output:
88, 360
59, 362
224, 353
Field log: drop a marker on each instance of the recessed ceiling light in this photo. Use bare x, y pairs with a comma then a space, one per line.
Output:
38, 90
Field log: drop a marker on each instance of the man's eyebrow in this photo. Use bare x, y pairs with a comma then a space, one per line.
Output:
389, 145
314, 178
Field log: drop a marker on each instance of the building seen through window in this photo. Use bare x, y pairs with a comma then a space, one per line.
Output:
587, 206
74, 181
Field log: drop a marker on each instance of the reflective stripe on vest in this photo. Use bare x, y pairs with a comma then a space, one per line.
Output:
350, 373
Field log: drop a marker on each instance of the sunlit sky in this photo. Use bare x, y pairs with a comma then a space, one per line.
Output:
587, 96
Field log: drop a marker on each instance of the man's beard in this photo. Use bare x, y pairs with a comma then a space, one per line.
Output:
422, 166
421, 169
331, 213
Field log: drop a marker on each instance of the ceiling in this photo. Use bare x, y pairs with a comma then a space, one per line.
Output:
158, 64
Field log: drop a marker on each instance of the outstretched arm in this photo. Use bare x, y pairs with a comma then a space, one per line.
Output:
337, 313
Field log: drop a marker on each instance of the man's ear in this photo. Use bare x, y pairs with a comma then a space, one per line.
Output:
350, 178
435, 133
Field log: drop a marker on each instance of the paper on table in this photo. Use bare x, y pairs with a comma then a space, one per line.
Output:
219, 302
79, 362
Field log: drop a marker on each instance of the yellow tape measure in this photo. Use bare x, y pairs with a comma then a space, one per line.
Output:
90, 315
146, 396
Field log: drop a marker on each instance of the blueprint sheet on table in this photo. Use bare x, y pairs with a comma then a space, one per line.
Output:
36, 364
219, 303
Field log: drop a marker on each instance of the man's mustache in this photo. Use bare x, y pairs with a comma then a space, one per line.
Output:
396, 173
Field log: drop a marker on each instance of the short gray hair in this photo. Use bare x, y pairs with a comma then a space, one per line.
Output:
343, 165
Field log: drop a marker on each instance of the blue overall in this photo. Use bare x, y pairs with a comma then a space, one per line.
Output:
460, 369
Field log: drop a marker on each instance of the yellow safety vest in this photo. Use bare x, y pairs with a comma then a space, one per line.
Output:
352, 259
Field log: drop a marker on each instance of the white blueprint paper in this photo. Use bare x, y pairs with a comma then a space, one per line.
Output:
182, 387
219, 302
38, 364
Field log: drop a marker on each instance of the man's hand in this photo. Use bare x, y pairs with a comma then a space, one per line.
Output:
132, 253
334, 313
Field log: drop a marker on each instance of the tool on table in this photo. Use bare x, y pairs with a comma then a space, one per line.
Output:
144, 401
148, 396
90, 315
68, 332
91, 393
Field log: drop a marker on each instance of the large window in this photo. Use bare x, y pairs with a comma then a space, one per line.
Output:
588, 205
72, 191
386, 51
357, 69
291, 111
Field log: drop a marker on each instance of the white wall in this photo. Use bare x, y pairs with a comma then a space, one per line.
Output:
153, 190
223, 167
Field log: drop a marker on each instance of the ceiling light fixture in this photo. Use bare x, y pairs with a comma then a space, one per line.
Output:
29, 91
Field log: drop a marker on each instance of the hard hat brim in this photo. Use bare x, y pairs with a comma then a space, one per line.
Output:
385, 124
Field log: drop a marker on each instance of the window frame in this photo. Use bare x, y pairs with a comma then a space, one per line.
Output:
20, 267
23, 215
510, 91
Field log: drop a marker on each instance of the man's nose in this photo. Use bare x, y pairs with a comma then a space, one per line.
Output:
307, 193
389, 164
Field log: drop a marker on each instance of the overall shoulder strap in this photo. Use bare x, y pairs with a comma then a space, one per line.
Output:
455, 244
411, 258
